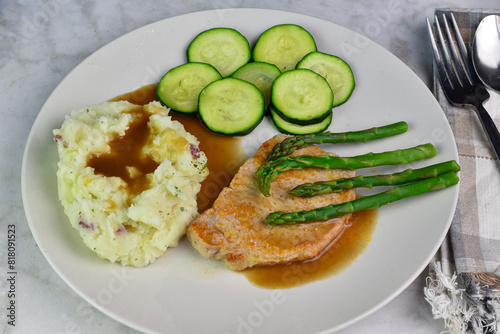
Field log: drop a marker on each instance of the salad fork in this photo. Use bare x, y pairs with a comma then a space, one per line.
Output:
458, 78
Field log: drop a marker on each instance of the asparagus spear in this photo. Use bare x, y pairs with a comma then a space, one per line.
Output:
406, 176
289, 145
271, 169
364, 203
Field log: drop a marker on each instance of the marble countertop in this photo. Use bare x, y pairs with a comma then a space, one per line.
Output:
42, 41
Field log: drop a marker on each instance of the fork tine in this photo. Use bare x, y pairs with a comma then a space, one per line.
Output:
438, 61
446, 55
463, 50
459, 59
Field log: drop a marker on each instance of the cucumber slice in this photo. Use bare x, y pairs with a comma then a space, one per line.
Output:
180, 86
223, 48
295, 129
302, 97
231, 106
261, 75
335, 70
283, 45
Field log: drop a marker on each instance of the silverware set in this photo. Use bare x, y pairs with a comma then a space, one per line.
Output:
457, 76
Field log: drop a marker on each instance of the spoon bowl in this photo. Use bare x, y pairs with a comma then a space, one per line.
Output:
486, 51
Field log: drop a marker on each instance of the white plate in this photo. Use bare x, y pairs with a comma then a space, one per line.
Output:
183, 292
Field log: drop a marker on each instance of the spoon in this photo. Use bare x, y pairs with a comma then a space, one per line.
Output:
486, 51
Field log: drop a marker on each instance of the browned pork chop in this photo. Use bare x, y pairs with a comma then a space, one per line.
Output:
234, 231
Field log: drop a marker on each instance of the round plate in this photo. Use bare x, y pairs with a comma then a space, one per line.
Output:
183, 292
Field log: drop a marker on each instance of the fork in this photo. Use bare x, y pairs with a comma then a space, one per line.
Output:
458, 78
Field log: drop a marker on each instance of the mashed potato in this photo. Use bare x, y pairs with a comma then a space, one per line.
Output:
123, 211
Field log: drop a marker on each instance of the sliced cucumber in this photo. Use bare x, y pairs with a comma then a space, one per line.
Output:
302, 97
261, 75
231, 106
295, 129
283, 45
336, 71
180, 86
223, 48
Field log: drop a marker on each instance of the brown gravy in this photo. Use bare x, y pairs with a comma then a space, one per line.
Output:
333, 261
126, 152
225, 154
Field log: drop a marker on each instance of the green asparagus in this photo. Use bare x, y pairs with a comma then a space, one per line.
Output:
364, 203
406, 176
271, 169
289, 145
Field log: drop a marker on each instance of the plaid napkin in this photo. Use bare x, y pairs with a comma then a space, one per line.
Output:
463, 286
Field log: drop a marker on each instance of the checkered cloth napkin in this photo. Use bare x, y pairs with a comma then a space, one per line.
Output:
463, 286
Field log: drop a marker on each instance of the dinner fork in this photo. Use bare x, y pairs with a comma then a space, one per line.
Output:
458, 78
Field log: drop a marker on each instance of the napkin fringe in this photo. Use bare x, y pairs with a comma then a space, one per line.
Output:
465, 305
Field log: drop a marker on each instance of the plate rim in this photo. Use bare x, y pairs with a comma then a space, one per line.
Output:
131, 324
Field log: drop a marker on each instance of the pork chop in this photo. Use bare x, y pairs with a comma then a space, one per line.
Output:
234, 231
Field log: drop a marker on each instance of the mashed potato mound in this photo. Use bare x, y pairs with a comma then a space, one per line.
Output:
132, 219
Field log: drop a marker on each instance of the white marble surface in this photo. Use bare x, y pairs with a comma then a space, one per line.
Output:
41, 41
